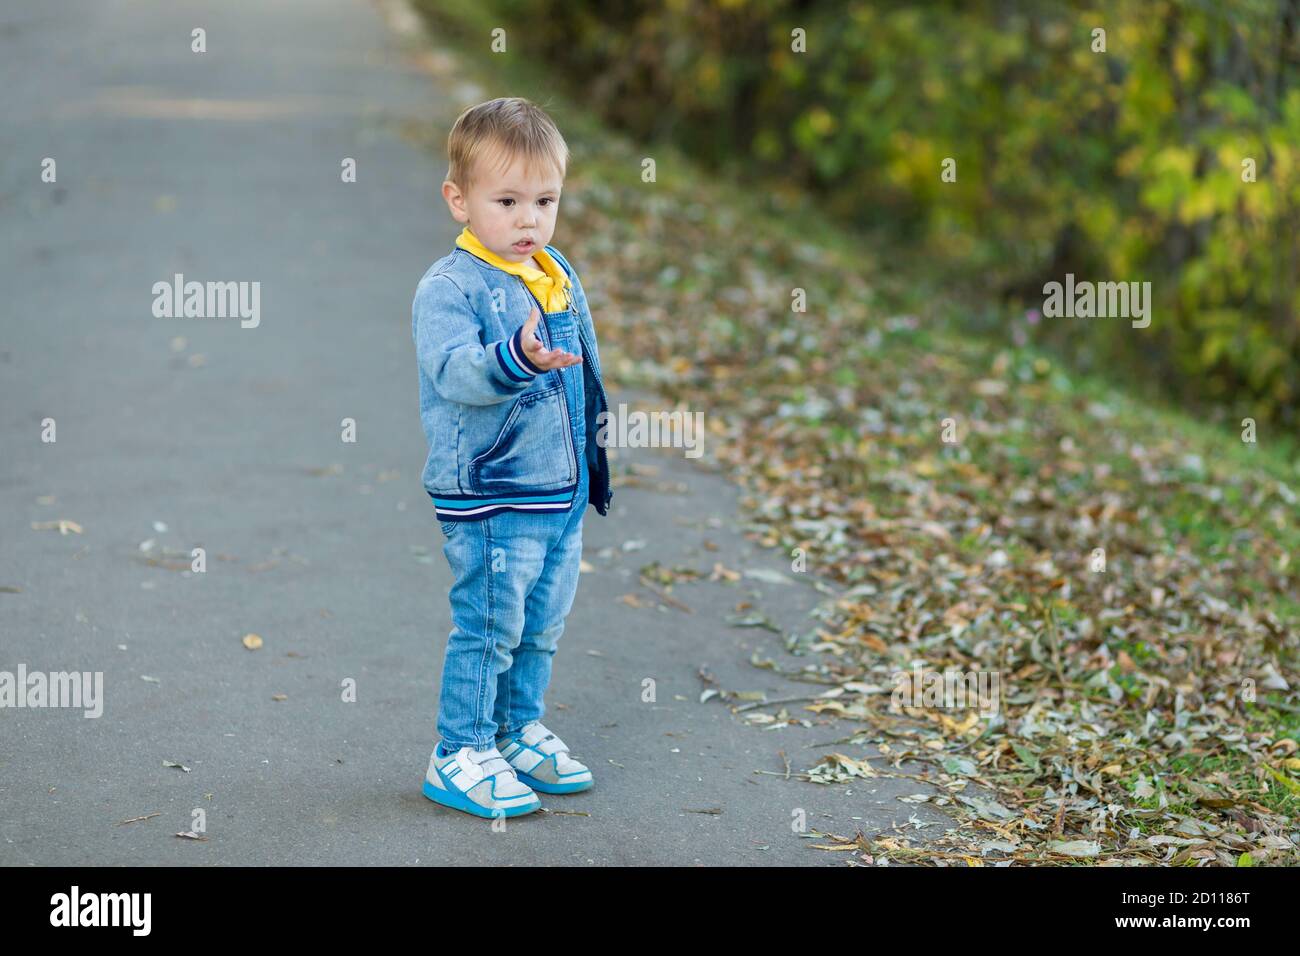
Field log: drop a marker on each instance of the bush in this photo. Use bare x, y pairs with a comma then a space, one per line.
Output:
1123, 165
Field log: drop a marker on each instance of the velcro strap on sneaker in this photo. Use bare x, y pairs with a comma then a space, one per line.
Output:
535, 735
472, 771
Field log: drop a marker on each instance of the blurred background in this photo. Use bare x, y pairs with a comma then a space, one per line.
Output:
1115, 157
905, 461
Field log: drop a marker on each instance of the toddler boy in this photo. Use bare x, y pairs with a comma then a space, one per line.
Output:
510, 400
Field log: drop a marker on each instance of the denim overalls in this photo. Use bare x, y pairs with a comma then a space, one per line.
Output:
516, 574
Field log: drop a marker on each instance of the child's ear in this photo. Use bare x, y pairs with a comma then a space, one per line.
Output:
455, 201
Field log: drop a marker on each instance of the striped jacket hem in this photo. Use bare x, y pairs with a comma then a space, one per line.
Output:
476, 507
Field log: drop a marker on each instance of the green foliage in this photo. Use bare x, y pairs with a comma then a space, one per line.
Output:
1123, 165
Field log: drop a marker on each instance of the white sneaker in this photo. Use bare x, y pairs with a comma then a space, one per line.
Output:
478, 782
542, 760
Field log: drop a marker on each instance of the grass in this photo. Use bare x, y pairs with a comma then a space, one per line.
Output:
1044, 408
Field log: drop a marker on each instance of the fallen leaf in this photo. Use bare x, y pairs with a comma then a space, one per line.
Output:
1081, 848
768, 576
63, 525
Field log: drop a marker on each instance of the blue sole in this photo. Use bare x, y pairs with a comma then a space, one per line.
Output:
458, 802
542, 786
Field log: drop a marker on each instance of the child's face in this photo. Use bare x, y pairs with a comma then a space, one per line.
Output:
506, 208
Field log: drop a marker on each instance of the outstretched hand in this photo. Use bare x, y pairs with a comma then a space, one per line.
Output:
537, 353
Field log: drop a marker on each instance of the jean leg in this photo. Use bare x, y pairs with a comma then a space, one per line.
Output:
522, 688
494, 569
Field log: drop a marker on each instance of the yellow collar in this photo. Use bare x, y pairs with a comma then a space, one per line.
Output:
549, 284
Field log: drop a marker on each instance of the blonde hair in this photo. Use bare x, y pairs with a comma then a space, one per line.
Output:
503, 129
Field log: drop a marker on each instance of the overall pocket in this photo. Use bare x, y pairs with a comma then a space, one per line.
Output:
532, 452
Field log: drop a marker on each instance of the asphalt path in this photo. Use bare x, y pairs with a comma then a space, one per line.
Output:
176, 433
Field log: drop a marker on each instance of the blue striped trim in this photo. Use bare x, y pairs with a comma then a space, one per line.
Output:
475, 507
454, 501
517, 352
555, 509
508, 366
513, 360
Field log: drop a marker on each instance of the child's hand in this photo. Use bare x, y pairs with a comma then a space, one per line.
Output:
538, 354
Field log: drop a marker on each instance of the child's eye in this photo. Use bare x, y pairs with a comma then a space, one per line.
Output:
508, 201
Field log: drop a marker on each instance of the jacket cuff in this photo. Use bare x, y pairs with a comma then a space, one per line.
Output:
514, 363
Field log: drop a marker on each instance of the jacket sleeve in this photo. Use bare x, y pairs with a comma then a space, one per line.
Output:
449, 348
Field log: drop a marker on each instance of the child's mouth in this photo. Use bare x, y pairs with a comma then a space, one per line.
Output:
524, 246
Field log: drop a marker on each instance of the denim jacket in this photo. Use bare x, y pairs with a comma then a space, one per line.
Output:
498, 427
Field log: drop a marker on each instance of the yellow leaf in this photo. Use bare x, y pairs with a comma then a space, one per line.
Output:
1285, 781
